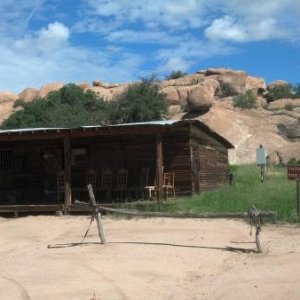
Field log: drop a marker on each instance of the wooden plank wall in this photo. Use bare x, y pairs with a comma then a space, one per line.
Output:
177, 159
214, 170
27, 178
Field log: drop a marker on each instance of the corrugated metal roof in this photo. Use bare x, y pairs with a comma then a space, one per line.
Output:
151, 123
45, 129
159, 123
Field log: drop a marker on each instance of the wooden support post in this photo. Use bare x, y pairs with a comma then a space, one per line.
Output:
159, 166
257, 240
97, 215
67, 174
298, 198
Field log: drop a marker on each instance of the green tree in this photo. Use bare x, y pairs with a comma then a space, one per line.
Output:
141, 102
296, 90
68, 107
175, 74
279, 92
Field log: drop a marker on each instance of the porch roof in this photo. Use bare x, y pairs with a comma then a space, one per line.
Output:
60, 132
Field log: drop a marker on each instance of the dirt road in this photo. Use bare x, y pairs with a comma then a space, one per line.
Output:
146, 259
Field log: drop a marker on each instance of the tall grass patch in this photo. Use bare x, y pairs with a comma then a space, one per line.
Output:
275, 193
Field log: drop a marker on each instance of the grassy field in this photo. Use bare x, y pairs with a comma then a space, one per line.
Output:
275, 193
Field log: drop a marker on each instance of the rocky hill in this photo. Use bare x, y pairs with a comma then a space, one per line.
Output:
208, 95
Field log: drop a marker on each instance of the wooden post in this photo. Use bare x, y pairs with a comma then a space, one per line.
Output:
298, 198
67, 174
257, 240
97, 215
159, 166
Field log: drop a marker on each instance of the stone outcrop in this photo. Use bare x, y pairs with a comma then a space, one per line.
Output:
237, 79
247, 129
29, 94
109, 93
284, 154
7, 100
172, 95
202, 96
256, 85
50, 87
283, 104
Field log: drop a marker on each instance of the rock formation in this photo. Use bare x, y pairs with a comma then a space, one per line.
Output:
7, 100
274, 125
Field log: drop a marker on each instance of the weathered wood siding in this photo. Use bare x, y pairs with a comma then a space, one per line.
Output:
177, 159
28, 171
29, 177
209, 162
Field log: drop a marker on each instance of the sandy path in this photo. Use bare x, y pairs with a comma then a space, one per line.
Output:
146, 259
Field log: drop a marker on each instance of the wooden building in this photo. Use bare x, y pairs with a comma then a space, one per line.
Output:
50, 167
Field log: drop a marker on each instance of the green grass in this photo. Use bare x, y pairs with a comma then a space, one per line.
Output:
275, 193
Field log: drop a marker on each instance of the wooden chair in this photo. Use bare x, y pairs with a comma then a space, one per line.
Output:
152, 189
121, 186
106, 183
60, 177
140, 189
169, 184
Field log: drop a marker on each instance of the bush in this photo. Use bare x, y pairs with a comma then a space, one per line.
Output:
141, 102
247, 100
293, 161
72, 107
296, 90
289, 106
279, 92
226, 90
68, 107
175, 75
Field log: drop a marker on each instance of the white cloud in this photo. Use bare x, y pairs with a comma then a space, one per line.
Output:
47, 39
168, 13
180, 34
186, 54
227, 28
55, 35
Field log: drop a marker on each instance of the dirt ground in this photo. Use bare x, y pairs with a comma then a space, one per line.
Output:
146, 259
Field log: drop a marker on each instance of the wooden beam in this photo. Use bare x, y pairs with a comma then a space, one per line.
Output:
79, 132
159, 166
31, 208
67, 174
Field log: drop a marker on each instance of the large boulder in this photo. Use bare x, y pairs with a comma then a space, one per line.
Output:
201, 96
284, 154
84, 85
247, 129
50, 87
172, 95
256, 85
236, 79
29, 94
187, 80
7, 100
109, 94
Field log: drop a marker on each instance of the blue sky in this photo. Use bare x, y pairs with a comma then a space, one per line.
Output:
44, 41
